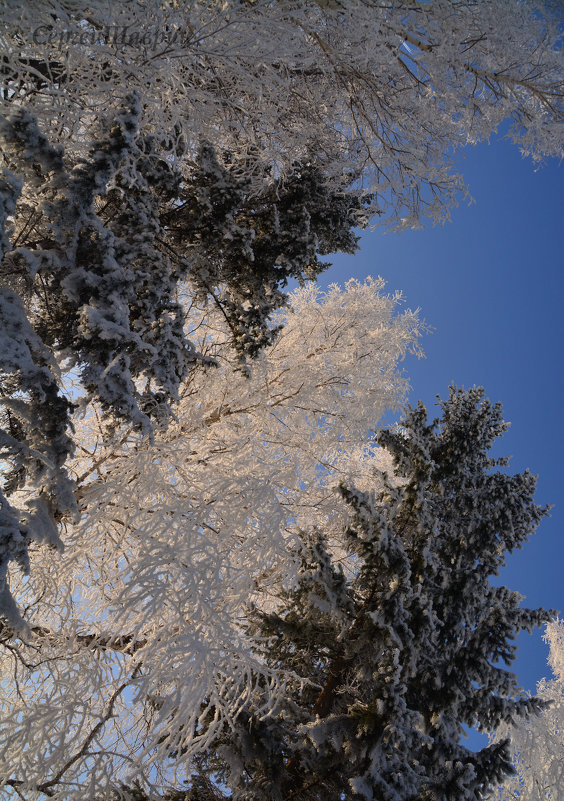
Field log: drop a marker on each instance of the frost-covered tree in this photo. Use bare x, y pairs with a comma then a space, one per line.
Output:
134, 635
537, 745
95, 254
166, 168
380, 90
391, 658
223, 144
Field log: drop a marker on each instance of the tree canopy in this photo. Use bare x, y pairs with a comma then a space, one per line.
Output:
381, 91
217, 154
270, 641
177, 535
186, 603
95, 259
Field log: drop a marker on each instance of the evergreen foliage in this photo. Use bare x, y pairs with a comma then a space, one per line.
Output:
393, 658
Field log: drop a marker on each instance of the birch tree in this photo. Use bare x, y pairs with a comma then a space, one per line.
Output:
164, 163
133, 632
537, 745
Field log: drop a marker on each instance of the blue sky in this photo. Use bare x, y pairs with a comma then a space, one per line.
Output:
491, 283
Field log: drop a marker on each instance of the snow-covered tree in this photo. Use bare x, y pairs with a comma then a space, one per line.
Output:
94, 256
166, 169
223, 144
134, 631
390, 659
380, 90
360, 661
537, 745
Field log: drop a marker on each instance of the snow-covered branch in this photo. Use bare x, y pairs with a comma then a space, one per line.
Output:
382, 90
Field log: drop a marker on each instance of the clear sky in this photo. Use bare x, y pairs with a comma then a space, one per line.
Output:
491, 283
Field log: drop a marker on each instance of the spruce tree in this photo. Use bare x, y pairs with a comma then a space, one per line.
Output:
389, 663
